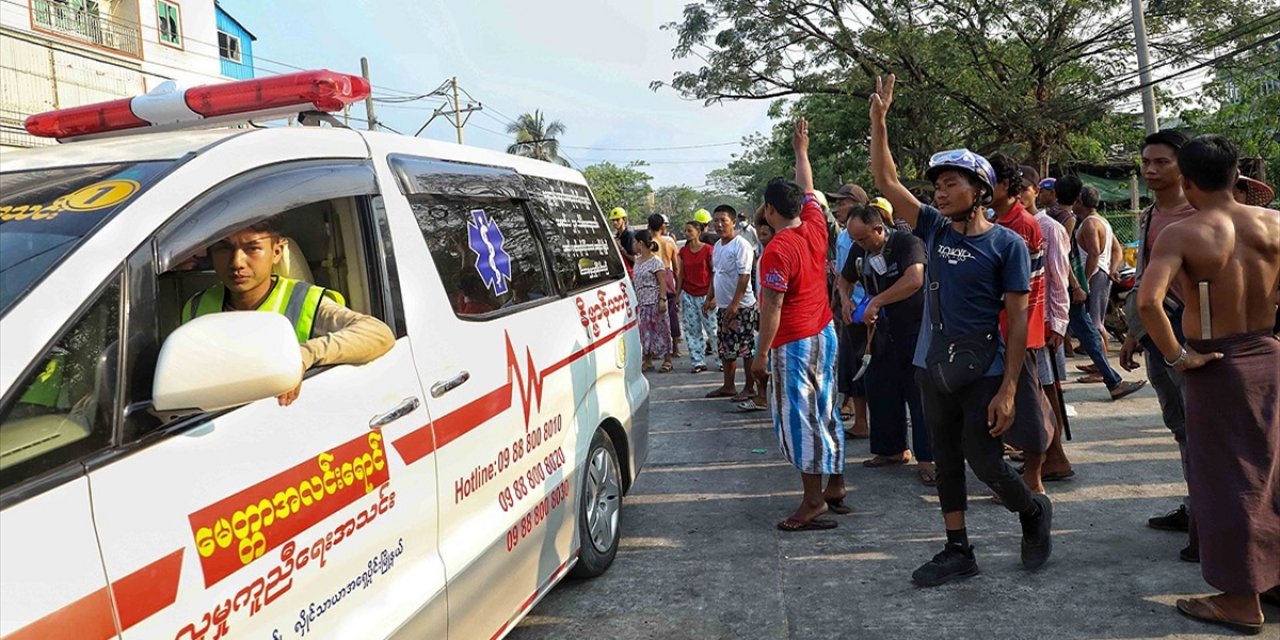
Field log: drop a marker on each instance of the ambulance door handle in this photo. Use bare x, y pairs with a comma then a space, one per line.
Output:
445, 386
406, 407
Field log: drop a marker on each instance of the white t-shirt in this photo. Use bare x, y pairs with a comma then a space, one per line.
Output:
728, 263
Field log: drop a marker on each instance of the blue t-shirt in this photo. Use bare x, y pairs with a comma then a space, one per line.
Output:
844, 244
973, 273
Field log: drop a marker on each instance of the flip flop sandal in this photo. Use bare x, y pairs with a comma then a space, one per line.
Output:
816, 524
838, 507
846, 415
928, 477
646, 368
666, 367
1059, 476
1092, 378
720, 393
698, 368
1087, 368
743, 396
1126, 388
1205, 610
750, 405
878, 462
1017, 456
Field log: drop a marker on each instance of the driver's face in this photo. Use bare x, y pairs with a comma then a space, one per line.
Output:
243, 260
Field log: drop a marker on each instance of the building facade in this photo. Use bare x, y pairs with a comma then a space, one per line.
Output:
65, 53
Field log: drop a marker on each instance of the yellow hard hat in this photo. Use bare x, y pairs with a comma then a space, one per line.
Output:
883, 205
702, 216
617, 213
822, 200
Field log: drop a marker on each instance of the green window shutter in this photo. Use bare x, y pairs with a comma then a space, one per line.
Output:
168, 23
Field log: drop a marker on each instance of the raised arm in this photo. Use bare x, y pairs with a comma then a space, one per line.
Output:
800, 145
883, 170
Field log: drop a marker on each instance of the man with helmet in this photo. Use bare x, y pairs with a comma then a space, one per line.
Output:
975, 270
622, 234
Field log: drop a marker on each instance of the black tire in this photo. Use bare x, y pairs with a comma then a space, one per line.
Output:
594, 557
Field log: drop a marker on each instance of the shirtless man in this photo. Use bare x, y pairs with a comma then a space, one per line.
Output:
1226, 260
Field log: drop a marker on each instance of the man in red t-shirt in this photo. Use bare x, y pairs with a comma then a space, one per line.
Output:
692, 283
798, 342
1032, 431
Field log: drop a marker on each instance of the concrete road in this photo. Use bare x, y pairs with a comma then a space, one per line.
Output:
700, 557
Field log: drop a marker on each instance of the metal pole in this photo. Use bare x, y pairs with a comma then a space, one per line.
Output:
368, 101
1144, 70
457, 110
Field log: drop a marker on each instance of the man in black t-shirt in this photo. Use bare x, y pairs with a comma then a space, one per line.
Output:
622, 234
890, 265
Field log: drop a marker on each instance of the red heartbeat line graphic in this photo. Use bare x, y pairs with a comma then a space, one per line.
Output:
533, 391
421, 442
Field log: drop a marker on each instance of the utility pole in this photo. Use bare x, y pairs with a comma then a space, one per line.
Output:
453, 111
1144, 70
368, 100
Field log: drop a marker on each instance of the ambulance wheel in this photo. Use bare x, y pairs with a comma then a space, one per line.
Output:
599, 508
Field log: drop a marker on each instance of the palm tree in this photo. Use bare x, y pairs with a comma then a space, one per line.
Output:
536, 138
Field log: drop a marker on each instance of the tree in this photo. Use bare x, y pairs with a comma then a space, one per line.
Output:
536, 138
980, 74
677, 202
1243, 104
615, 186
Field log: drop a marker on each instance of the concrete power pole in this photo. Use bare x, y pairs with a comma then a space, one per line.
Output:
456, 114
1144, 70
368, 101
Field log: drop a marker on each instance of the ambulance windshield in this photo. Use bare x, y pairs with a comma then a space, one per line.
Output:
45, 214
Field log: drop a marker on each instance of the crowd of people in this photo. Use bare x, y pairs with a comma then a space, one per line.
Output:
941, 330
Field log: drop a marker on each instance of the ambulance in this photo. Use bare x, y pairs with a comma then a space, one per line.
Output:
151, 486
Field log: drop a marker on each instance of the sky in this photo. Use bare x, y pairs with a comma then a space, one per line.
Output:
586, 63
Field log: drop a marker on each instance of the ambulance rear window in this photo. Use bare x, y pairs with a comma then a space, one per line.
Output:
47, 213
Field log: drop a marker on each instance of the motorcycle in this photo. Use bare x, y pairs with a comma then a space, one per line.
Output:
1121, 288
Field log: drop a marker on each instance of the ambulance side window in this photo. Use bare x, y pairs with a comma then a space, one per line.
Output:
65, 408
580, 241
486, 252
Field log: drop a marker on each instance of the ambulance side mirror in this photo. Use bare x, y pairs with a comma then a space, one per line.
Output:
224, 360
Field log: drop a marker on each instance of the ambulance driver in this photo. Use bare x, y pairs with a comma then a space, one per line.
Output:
328, 332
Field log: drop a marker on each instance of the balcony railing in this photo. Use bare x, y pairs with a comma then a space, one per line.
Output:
85, 24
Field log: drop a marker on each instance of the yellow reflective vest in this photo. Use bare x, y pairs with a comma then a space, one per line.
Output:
296, 300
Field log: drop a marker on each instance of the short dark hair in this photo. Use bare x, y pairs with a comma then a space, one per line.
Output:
1007, 169
1089, 197
1030, 176
1210, 162
784, 196
1168, 137
1068, 189
264, 226
696, 225
656, 221
733, 213
868, 215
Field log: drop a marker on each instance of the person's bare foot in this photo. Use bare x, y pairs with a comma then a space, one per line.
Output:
807, 512
722, 392
1238, 612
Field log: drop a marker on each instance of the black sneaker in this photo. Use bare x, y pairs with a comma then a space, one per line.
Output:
1037, 542
1176, 520
1189, 554
953, 562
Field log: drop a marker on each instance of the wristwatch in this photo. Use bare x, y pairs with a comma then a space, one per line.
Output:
1182, 357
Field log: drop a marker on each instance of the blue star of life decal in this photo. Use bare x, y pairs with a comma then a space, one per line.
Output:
492, 261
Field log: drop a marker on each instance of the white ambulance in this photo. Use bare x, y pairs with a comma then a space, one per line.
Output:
151, 486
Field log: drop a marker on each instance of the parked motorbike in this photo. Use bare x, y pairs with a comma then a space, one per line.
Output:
1121, 289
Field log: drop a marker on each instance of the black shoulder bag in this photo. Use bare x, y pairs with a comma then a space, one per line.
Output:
954, 363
